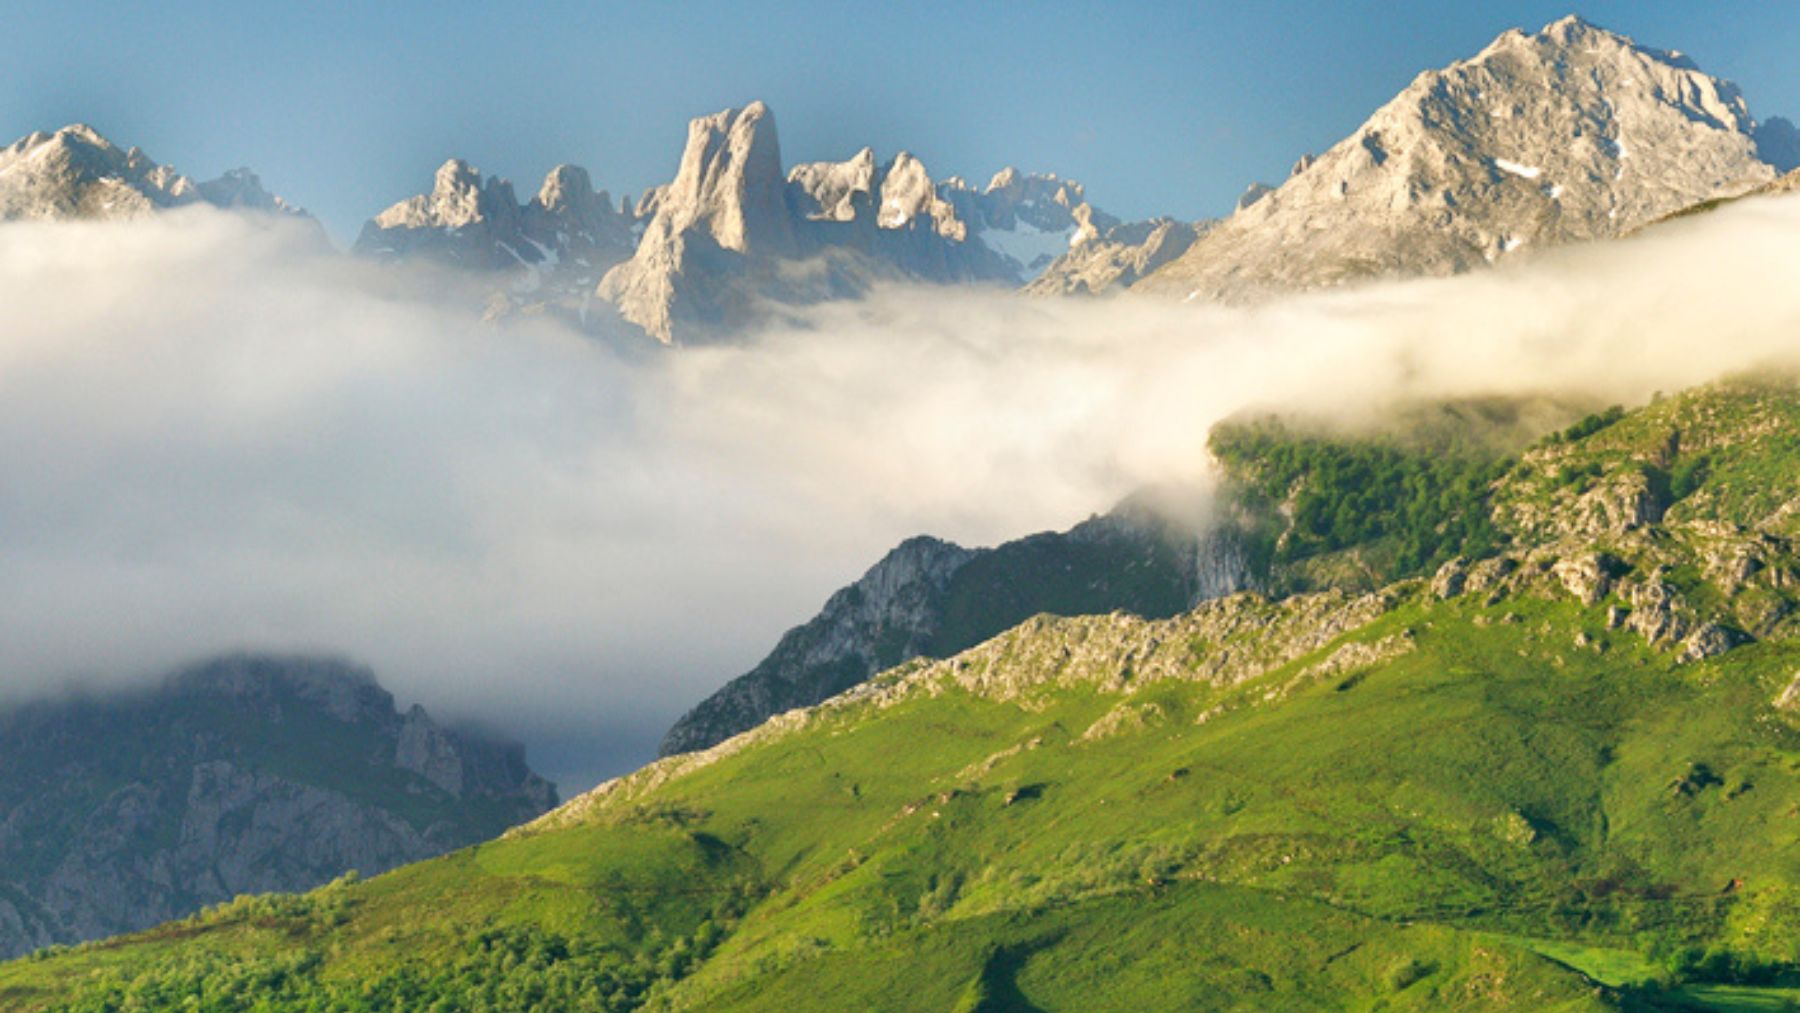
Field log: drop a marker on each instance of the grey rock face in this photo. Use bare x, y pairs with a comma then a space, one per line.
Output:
1116, 258
1587, 577
889, 615
716, 231
867, 221
1450, 578
246, 774
1252, 193
75, 173
1027, 218
549, 251
731, 234
1569, 134
929, 598
1709, 641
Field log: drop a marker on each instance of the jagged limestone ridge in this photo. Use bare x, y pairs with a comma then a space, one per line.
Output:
1568, 134
75, 173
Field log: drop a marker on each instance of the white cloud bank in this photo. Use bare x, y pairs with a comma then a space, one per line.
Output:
214, 436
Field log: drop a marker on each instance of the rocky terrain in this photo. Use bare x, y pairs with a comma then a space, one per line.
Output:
731, 237
246, 774
556, 245
1569, 134
1116, 258
75, 173
930, 598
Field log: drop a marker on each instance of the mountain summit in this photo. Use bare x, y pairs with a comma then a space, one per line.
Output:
1569, 134
558, 243
77, 173
728, 236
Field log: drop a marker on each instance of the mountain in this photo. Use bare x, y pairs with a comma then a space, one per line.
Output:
931, 598
558, 243
1148, 557
1570, 134
76, 173
241, 775
1573, 133
732, 235
1117, 258
1560, 774
735, 237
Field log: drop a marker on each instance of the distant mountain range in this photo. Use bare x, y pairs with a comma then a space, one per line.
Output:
1572, 133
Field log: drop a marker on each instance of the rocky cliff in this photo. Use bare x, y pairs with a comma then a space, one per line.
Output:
246, 774
731, 235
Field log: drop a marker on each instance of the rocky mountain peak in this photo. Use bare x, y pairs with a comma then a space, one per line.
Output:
726, 214
76, 172
566, 189
455, 201
907, 192
554, 247
1252, 193
241, 188
1014, 186
81, 132
730, 183
1566, 134
829, 191
455, 176
347, 692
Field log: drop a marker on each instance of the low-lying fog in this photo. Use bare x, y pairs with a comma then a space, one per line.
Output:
215, 435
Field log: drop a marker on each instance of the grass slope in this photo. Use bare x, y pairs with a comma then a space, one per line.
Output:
1496, 800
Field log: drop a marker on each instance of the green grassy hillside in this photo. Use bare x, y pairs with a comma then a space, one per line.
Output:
1565, 775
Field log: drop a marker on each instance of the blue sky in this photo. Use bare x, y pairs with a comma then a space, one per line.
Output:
1160, 108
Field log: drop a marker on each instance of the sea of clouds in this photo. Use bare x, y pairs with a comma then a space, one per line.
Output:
215, 434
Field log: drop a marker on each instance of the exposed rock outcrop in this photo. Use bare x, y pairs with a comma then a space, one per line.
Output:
717, 232
1789, 698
